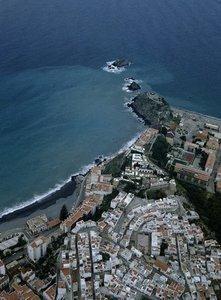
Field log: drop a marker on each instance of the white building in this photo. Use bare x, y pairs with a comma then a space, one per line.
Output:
38, 248
155, 246
2, 268
61, 290
38, 224
50, 293
136, 158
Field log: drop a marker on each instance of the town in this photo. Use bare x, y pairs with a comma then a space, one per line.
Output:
134, 235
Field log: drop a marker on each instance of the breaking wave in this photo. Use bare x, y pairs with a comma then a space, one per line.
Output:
82, 171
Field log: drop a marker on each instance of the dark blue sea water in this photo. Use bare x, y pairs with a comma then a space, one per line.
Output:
59, 109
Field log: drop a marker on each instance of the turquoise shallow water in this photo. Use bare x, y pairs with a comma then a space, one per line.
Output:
59, 109
66, 117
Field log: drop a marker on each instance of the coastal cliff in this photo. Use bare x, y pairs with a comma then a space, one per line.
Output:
151, 108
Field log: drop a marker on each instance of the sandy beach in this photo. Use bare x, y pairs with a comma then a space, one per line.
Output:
50, 205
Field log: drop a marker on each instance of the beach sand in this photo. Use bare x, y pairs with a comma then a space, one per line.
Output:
52, 211
51, 206
69, 194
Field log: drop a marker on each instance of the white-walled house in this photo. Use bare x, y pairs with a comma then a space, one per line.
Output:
38, 248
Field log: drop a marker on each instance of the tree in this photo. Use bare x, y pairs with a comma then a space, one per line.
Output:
203, 159
63, 213
163, 130
160, 149
183, 138
208, 206
105, 256
21, 241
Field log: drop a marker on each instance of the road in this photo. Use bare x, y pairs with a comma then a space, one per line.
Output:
211, 186
80, 197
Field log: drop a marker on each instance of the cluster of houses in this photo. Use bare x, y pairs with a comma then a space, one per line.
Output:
41, 223
194, 153
97, 186
25, 285
140, 249
140, 169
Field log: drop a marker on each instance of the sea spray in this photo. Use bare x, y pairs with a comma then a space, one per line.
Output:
42, 198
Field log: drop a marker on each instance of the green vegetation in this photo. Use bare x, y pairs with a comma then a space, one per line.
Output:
155, 194
130, 187
153, 110
180, 189
150, 194
203, 159
21, 241
187, 206
163, 130
208, 207
63, 213
115, 166
141, 193
105, 256
176, 119
183, 138
163, 247
105, 205
47, 264
159, 150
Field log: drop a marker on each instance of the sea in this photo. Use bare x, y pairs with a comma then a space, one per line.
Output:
59, 109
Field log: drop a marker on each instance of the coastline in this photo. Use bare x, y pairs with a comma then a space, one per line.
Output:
175, 109
195, 113
68, 191
64, 191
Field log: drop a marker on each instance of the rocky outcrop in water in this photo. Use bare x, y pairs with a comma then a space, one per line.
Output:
120, 63
151, 108
134, 86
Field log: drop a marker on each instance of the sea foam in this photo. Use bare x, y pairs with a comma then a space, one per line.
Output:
41, 197
127, 82
82, 171
113, 69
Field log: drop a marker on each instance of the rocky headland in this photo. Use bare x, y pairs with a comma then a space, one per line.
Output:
151, 108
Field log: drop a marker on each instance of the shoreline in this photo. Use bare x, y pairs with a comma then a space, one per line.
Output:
184, 110
69, 187
64, 191
175, 109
